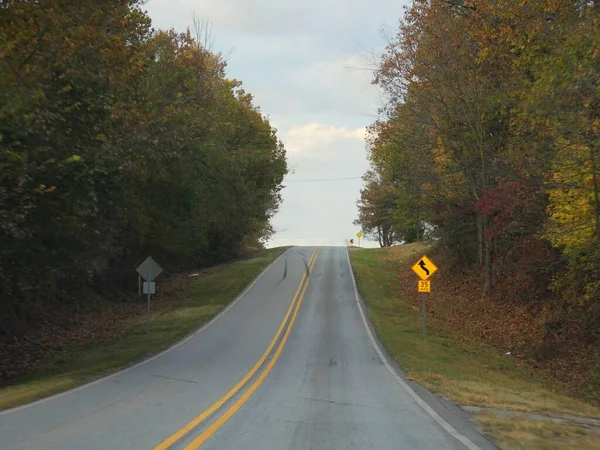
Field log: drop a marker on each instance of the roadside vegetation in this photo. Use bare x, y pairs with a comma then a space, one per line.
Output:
515, 404
489, 145
118, 141
182, 304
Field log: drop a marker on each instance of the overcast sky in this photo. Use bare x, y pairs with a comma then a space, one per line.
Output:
299, 60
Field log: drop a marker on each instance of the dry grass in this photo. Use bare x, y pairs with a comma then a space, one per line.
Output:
517, 434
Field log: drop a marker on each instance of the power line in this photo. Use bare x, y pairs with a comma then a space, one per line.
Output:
323, 179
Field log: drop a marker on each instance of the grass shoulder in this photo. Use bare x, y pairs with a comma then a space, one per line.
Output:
513, 406
201, 299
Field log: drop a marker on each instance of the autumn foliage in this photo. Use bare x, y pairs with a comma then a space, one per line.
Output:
489, 143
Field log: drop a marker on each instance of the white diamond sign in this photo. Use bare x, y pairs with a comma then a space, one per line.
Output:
149, 266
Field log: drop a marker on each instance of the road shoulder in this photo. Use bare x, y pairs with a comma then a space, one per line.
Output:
459, 423
454, 377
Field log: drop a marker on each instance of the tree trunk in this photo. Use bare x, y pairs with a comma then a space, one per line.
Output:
387, 235
488, 255
480, 243
504, 257
596, 194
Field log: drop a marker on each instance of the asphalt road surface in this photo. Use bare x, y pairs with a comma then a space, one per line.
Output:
291, 364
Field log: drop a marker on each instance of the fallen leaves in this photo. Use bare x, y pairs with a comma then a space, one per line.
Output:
515, 327
68, 330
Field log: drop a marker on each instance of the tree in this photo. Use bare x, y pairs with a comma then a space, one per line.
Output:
490, 130
376, 211
117, 141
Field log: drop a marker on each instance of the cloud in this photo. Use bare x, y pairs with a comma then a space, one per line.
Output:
332, 87
298, 59
277, 17
326, 72
341, 84
314, 139
320, 212
299, 70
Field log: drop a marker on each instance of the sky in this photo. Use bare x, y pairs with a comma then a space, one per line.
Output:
308, 65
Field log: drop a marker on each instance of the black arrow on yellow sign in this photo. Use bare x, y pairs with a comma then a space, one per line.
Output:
424, 268
422, 265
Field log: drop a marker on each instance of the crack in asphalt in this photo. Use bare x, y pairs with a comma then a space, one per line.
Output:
285, 271
176, 379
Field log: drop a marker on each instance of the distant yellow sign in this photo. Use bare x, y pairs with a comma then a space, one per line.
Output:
424, 268
424, 286
359, 234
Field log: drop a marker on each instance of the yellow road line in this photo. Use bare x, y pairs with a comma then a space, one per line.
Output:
215, 406
244, 398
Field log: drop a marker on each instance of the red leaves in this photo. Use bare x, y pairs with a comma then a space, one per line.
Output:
507, 204
446, 213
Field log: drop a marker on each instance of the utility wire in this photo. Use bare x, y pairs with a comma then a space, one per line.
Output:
323, 179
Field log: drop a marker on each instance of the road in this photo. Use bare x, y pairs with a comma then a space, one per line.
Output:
291, 364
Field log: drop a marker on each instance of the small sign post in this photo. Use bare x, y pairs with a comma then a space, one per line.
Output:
424, 268
359, 235
149, 270
148, 280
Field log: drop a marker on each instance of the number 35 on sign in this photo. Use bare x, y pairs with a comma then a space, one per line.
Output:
424, 286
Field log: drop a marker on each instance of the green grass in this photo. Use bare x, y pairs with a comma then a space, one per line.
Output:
469, 373
207, 295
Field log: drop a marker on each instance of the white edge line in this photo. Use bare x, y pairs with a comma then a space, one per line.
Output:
428, 409
141, 363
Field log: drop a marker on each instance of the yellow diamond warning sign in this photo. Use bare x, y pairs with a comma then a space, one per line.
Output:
424, 268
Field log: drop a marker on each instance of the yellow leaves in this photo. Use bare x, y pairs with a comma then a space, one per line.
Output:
65, 90
38, 95
428, 189
571, 219
13, 157
571, 209
43, 189
72, 159
440, 155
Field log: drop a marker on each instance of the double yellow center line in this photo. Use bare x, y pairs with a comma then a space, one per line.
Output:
197, 442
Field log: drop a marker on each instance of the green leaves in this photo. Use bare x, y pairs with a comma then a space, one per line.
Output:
116, 142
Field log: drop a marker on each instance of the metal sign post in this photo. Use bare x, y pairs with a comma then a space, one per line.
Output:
424, 320
424, 268
149, 270
148, 301
424, 286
